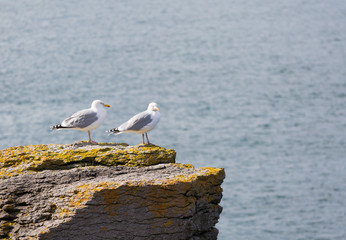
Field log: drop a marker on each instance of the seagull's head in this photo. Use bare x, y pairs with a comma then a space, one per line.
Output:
98, 104
153, 107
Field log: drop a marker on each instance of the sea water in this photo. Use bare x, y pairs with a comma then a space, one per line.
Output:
256, 87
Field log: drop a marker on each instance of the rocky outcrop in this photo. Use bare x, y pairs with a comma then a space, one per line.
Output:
106, 191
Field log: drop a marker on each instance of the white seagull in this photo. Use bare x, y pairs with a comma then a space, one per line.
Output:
141, 123
85, 120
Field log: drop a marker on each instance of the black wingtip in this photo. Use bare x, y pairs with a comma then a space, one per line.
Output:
56, 127
113, 131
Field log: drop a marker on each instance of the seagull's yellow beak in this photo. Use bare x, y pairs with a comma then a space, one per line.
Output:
156, 109
106, 105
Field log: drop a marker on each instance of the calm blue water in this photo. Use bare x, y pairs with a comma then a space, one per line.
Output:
257, 87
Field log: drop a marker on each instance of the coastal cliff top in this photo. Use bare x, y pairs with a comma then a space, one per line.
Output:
20, 159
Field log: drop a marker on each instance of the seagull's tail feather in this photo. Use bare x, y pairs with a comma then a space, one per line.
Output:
57, 127
114, 131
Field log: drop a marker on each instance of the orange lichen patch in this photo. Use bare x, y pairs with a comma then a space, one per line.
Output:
181, 165
64, 212
168, 223
44, 230
104, 229
80, 198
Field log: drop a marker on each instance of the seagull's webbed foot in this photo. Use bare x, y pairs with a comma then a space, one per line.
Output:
93, 142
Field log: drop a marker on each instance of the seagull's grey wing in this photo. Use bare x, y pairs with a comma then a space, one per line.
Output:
80, 119
137, 122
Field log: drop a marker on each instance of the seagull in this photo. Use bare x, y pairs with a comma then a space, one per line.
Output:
85, 120
141, 123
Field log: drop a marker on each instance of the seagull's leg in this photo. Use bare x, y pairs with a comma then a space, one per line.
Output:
91, 141
146, 134
143, 138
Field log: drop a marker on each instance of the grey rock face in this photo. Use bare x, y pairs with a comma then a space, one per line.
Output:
164, 201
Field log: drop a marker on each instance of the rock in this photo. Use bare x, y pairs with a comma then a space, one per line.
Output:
16, 160
106, 191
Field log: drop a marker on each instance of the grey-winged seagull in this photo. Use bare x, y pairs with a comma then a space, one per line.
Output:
141, 123
85, 120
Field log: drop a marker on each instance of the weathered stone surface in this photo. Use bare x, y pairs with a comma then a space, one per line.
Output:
163, 201
16, 160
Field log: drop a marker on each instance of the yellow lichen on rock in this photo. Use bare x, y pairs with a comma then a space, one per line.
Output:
16, 160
